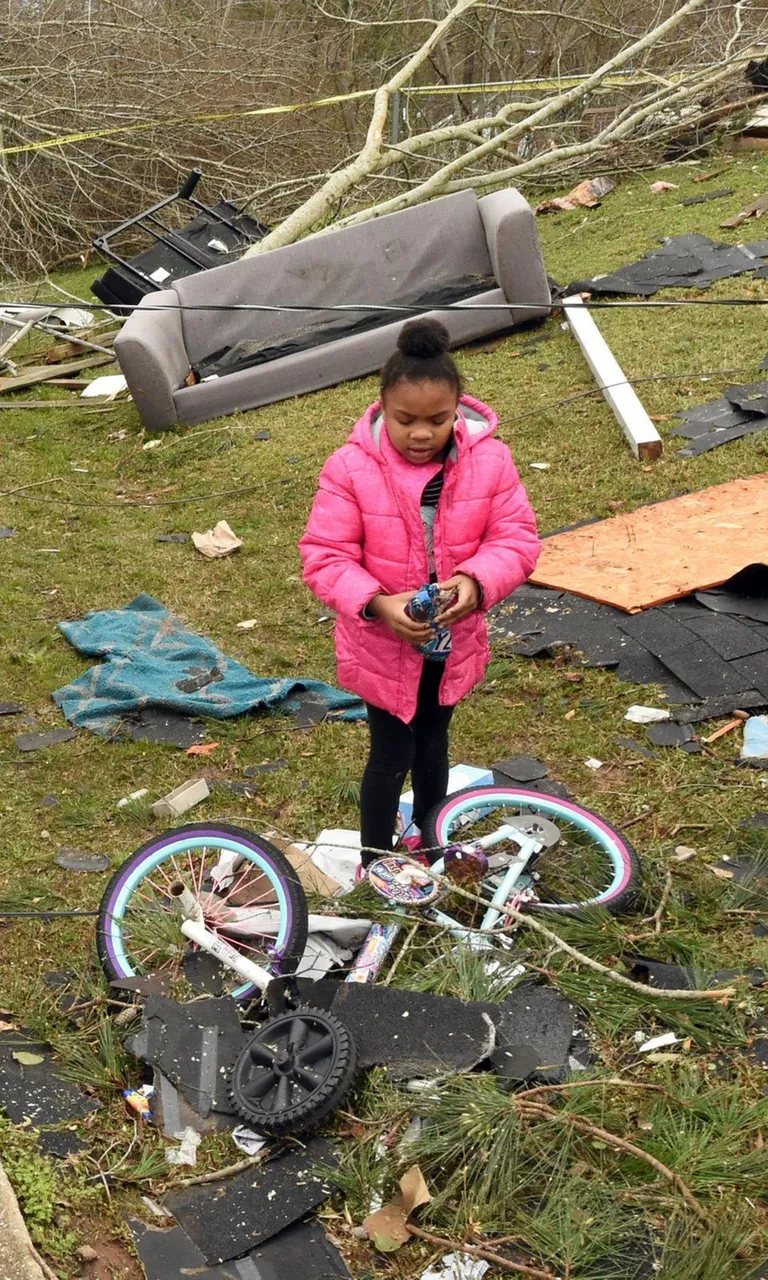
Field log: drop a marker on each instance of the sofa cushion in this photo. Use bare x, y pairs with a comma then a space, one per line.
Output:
372, 262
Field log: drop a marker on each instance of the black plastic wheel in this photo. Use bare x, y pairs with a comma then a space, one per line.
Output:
294, 1073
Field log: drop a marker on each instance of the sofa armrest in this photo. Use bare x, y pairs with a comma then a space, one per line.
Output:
515, 252
151, 353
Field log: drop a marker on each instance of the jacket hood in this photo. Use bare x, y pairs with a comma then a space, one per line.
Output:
475, 421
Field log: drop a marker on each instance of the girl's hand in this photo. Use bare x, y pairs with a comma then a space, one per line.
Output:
391, 609
467, 599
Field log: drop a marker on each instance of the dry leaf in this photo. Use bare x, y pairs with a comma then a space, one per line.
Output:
8, 1026
28, 1059
217, 542
413, 1190
248, 625
387, 1227
722, 873
202, 749
658, 187
569, 715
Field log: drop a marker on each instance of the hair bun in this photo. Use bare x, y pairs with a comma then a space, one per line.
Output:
423, 339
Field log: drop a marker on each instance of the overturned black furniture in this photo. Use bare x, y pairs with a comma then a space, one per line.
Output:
217, 234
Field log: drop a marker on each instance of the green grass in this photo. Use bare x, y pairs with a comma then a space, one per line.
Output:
106, 553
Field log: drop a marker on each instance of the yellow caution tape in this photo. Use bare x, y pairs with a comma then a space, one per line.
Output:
143, 126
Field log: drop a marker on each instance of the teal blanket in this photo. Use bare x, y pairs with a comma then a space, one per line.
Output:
152, 660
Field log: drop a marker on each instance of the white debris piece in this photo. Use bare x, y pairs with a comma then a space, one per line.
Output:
458, 1266
646, 715
187, 1152
182, 798
108, 386
337, 852
248, 1140
593, 763
657, 1042
135, 795
219, 541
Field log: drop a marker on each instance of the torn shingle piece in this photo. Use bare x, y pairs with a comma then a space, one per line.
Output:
412, 1033
704, 671
230, 1218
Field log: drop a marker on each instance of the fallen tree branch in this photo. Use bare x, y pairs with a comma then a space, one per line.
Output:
479, 1251
319, 205
540, 1110
228, 1172
439, 182
529, 921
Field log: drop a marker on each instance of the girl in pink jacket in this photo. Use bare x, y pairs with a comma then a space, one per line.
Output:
422, 492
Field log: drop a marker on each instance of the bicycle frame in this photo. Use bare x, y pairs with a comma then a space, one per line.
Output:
528, 848
193, 923
193, 927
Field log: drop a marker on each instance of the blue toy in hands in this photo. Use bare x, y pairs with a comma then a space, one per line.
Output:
425, 606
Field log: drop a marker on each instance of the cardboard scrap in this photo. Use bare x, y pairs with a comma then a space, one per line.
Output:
754, 210
661, 552
388, 1226
586, 195
311, 877
217, 542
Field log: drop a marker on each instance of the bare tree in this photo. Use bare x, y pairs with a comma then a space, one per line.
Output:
486, 151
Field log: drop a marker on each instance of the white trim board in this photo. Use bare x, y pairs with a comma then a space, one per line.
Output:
644, 440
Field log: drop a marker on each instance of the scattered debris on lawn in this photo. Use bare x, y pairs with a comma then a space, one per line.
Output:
182, 798
192, 1045
387, 1227
714, 663
151, 657
256, 1204
38, 741
80, 860
644, 440
754, 210
217, 542
134, 798
690, 261
657, 1042
108, 387
539, 1020
658, 188
709, 195
33, 1093
301, 1250
661, 552
754, 749
216, 234
741, 411
587, 195
416, 1035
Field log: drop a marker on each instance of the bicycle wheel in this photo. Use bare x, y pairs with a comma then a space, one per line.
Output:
249, 893
584, 862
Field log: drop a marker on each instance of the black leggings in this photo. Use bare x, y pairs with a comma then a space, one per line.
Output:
396, 748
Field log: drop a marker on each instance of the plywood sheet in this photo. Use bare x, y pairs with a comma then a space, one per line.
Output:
661, 552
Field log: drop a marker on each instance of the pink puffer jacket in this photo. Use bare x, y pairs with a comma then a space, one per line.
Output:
365, 535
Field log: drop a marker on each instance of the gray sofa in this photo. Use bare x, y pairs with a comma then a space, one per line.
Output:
456, 237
